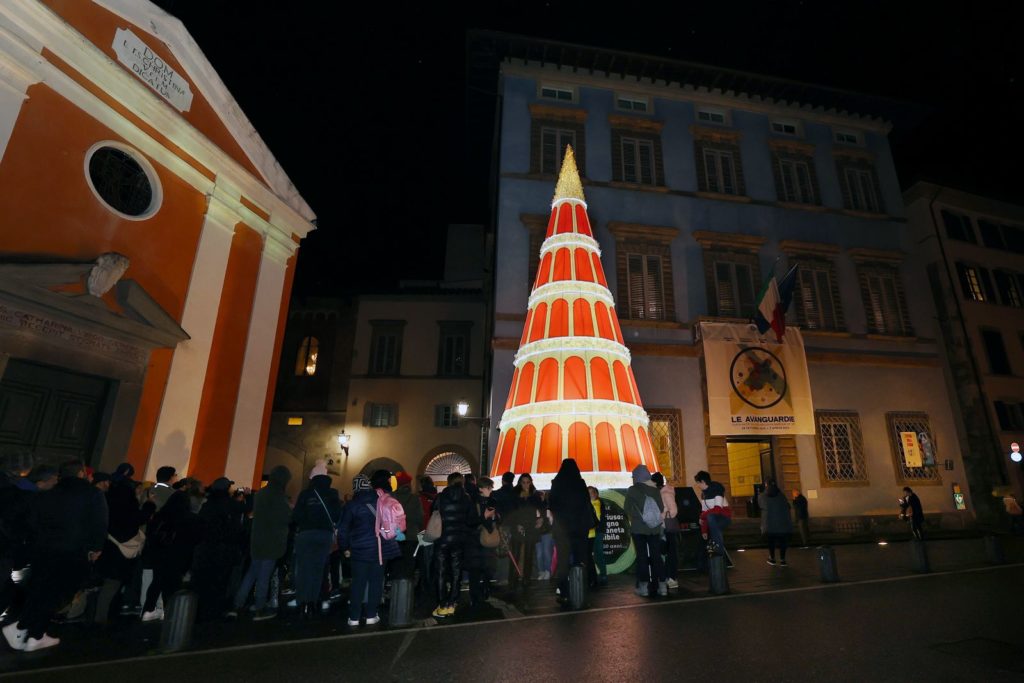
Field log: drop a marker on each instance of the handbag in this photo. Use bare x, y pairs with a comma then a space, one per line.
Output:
434, 526
334, 525
131, 548
489, 539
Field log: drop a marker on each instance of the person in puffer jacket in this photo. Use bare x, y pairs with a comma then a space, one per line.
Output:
646, 539
357, 537
458, 519
715, 513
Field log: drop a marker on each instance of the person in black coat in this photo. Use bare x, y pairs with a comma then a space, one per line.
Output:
524, 522
505, 497
219, 548
910, 508
126, 519
317, 513
458, 521
171, 537
69, 527
16, 493
479, 559
573, 517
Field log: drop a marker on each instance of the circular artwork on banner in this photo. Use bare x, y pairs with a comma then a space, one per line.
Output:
758, 377
618, 543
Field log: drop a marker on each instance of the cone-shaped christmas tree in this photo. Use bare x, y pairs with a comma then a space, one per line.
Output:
573, 394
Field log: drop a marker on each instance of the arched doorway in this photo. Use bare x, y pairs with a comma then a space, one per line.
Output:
382, 464
438, 465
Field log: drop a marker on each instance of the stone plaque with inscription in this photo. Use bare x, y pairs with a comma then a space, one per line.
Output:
153, 71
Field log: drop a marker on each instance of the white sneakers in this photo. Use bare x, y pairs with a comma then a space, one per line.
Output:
353, 622
370, 621
15, 636
156, 615
543, 576
672, 583
33, 644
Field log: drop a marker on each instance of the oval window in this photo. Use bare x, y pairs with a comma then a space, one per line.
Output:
123, 181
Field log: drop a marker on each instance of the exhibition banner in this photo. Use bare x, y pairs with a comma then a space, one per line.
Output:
756, 385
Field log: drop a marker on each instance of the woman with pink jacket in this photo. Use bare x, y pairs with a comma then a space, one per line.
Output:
668, 499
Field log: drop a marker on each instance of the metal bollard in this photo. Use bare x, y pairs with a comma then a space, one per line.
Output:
994, 550
719, 582
400, 607
919, 556
176, 633
827, 564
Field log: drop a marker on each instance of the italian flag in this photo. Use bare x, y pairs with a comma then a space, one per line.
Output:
773, 303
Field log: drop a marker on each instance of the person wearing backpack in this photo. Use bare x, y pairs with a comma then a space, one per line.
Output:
646, 514
316, 516
369, 539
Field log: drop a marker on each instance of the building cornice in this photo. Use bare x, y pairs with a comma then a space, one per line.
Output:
636, 124
864, 255
798, 248
35, 27
637, 231
554, 113
728, 240
791, 146
727, 135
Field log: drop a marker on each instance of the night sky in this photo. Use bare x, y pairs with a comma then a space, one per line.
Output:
367, 112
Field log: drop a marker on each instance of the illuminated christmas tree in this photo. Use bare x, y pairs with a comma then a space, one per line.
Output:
573, 393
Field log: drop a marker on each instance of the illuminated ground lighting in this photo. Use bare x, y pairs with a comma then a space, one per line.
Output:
741, 550
883, 543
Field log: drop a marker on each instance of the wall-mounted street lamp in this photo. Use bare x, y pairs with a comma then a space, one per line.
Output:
462, 408
343, 440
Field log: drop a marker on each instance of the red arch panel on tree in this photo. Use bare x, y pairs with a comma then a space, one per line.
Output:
584, 272
574, 384
524, 450
550, 458
582, 221
607, 448
547, 381
525, 387
564, 218
604, 326
622, 382
648, 452
559, 325
580, 448
582, 319
601, 378
511, 392
563, 266
544, 271
598, 270
629, 446
540, 315
503, 462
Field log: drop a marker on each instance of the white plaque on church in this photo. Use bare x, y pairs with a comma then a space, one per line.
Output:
153, 71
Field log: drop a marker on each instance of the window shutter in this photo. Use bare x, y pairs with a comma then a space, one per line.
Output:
652, 289
986, 284
629, 161
367, 413
788, 184
744, 290
728, 179
393, 415
726, 295
646, 162
803, 177
808, 309
965, 281
711, 169
636, 287
824, 294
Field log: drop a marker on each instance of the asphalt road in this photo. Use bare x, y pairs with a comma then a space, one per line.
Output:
963, 625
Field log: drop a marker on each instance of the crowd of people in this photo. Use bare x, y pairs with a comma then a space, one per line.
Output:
99, 546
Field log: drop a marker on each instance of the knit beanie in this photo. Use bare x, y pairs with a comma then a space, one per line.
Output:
641, 474
360, 483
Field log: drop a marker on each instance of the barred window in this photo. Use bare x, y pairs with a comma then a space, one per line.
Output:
666, 433
840, 447
905, 462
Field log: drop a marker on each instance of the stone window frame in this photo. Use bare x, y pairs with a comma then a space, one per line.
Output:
732, 248
722, 140
881, 263
852, 419
379, 329
796, 152
641, 129
453, 328
646, 240
859, 161
380, 415
976, 284
563, 118
674, 417
536, 226
446, 416
928, 475
819, 256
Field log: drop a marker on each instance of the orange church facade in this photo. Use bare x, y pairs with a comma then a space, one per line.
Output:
147, 246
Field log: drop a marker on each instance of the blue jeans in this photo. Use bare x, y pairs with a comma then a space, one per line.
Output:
716, 525
258, 577
545, 550
365, 574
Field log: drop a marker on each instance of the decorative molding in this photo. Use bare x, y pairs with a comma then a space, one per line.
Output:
864, 255
637, 124
725, 135
853, 153
623, 231
710, 239
722, 196
796, 247
791, 146
552, 113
